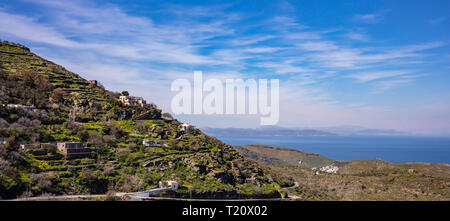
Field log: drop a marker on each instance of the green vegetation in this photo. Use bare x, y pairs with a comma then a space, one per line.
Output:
120, 163
69, 108
61, 95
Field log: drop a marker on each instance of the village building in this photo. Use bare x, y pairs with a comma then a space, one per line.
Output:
26, 146
93, 82
329, 169
133, 101
23, 107
73, 149
173, 185
186, 128
150, 143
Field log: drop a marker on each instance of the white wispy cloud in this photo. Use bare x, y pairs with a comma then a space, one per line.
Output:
241, 41
385, 85
318, 46
27, 28
438, 20
357, 36
375, 75
368, 18
143, 54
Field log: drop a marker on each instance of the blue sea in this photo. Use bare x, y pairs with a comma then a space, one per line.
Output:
398, 149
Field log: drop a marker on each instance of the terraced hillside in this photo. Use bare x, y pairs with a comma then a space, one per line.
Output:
28, 79
116, 159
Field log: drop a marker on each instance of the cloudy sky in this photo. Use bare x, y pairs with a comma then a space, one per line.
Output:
378, 64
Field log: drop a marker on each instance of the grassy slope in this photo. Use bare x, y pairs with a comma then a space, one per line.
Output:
15, 58
359, 179
88, 102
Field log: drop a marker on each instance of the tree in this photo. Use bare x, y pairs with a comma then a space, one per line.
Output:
34, 80
11, 143
57, 95
125, 93
83, 135
142, 127
117, 132
96, 141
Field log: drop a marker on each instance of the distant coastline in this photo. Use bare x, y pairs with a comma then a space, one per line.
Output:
282, 131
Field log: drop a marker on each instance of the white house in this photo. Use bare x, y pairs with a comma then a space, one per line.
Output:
187, 128
150, 143
25, 146
23, 107
173, 185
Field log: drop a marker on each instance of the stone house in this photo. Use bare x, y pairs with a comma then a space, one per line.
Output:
73, 148
93, 82
133, 101
26, 146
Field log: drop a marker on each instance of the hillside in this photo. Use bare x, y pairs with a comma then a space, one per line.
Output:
356, 179
63, 107
28, 79
280, 156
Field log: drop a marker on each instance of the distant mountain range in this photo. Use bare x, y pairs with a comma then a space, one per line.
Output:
323, 131
266, 131
358, 130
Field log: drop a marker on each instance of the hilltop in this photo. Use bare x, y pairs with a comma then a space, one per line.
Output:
42, 104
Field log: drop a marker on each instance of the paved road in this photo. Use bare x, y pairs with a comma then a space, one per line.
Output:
290, 196
136, 195
64, 197
145, 196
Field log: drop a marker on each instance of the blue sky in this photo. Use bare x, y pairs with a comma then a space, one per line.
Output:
378, 64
